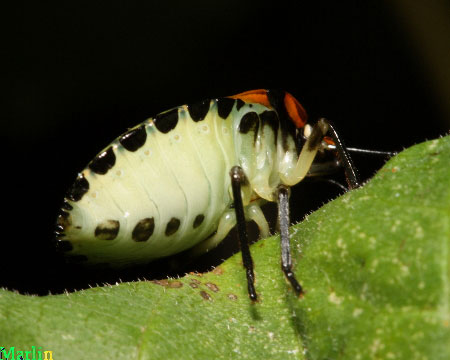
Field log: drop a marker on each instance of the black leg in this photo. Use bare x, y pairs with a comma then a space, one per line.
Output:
284, 221
237, 180
350, 169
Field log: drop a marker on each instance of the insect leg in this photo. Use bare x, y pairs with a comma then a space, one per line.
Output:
309, 151
226, 223
255, 213
284, 221
307, 155
238, 179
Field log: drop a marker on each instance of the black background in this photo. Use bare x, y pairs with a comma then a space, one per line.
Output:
76, 75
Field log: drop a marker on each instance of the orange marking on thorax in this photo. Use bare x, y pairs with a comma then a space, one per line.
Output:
295, 110
254, 96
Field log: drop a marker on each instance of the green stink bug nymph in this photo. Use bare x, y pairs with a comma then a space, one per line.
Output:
186, 177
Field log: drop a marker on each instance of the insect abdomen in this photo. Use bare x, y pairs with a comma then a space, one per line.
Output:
163, 186
158, 189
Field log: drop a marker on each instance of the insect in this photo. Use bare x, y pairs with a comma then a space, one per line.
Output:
183, 179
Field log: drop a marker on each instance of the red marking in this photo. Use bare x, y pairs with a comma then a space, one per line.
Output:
295, 110
254, 96
329, 140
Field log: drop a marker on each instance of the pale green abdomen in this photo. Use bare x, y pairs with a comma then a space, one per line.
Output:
158, 200
162, 187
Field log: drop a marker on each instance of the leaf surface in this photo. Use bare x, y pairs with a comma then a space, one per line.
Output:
374, 264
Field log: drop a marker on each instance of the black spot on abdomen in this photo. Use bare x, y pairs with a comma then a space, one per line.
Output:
66, 206
239, 103
78, 189
103, 162
198, 220
270, 118
172, 226
166, 121
107, 230
249, 122
143, 230
199, 110
224, 107
134, 139
276, 99
63, 222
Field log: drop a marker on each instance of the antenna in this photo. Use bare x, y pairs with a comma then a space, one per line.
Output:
366, 151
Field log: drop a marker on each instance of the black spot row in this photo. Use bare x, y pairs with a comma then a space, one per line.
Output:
198, 111
167, 121
109, 229
136, 138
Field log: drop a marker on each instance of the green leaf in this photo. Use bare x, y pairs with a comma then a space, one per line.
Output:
374, 264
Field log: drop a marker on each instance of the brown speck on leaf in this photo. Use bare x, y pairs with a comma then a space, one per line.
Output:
232, 297
218, 271
205, 295
161, 282
175, 284
212, 287
196, 274
167, 283
193, 285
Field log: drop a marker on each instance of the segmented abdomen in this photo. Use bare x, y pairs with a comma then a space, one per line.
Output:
157, 190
